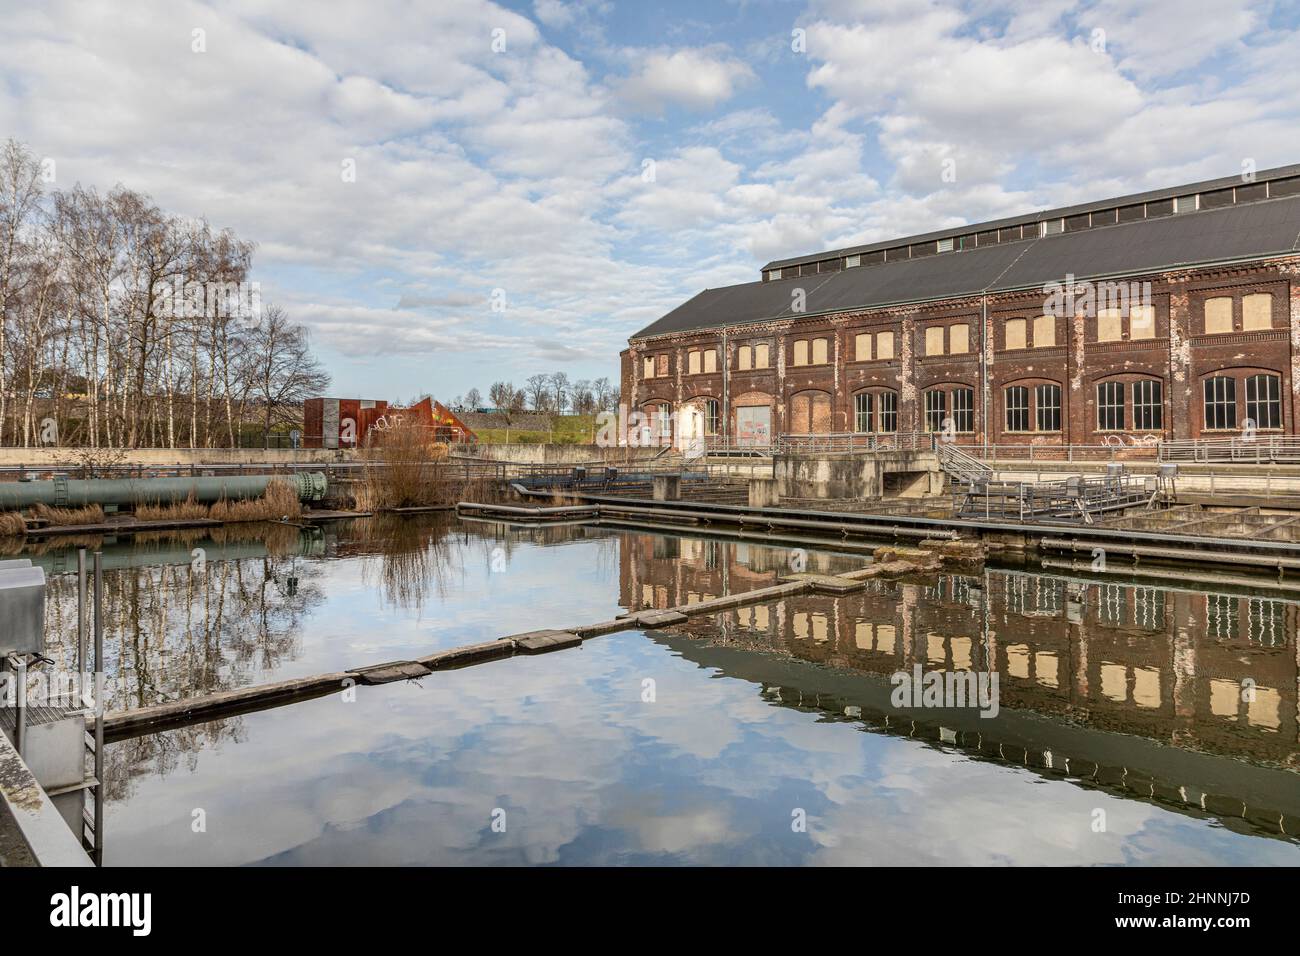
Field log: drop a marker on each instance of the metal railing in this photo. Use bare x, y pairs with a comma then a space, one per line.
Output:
581, 478
962, 465
1259, 450
1044, 452
1080, 497
855, 441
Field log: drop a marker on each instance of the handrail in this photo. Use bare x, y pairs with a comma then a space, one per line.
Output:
1256, 449
960, 464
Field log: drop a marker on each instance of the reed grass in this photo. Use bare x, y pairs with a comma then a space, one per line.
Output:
12, 524
90, 514
279, 503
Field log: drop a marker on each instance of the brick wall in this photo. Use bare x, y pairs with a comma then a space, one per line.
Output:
1179, 354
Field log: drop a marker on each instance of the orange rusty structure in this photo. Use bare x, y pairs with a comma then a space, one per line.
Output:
346, 422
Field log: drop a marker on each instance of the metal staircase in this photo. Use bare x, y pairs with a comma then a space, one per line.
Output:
962, 466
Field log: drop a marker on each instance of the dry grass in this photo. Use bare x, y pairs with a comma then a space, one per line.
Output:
280, 502
281, 540
12, 524
186, 510
403, 470
91, 514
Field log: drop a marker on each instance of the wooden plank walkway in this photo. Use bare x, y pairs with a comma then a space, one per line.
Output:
146, 720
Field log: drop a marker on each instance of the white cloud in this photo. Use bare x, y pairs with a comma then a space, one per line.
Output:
695, 79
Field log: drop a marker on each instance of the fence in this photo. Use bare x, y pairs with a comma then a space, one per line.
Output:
855, 441
1260, 450
1047, 500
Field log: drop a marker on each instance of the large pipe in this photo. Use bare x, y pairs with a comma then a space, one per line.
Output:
78, 493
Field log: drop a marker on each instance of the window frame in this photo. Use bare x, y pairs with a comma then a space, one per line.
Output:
1040, 406
1226, 401
1018, 408
1115, 410
1147, 408
1273, 402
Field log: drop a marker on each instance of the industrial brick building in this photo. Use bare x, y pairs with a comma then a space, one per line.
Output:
1168, 314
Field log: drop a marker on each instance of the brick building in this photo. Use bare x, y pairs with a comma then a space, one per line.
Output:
1167, 314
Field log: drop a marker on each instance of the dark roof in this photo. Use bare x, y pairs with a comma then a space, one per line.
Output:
1154, 195
1249, 231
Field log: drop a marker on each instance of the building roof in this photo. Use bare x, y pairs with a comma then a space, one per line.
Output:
1252, 230
1061, 212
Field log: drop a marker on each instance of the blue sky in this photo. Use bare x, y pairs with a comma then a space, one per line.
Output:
526, 168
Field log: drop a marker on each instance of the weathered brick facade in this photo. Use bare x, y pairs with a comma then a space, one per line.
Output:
999, 357
1180, 355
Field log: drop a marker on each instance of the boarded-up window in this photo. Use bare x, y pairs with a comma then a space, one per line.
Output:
1015, 333
710, 360
760, 356
884, 345
648, 367
1142, 322
934, 340
801, 352
810, 413
1218, 315
693, 363
661, 365
1257, 311
745, 358
820, 355
862, 347
1110, 325
1044, 331
959, 339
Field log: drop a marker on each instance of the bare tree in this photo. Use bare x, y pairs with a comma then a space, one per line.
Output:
283, 369
559, 382
538, 391
604, 395
502, 395
473, 399
20, 196
127, 325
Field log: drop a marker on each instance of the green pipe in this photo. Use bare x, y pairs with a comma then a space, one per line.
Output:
77, 493
121, 555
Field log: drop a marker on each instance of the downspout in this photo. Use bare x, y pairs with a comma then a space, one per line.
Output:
726, 391
985, 342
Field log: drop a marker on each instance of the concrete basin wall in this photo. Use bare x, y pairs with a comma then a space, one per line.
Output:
894, 474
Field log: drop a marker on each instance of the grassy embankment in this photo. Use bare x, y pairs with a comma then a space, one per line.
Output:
564, 430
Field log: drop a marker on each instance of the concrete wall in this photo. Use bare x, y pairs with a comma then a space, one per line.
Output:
72, 458
561, 454
910, 474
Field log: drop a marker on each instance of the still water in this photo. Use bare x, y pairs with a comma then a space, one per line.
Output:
759, 735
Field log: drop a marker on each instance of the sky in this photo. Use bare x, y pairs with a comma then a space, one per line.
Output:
456, 192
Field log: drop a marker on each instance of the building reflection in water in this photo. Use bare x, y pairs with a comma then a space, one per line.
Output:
1155, 690
1211, 674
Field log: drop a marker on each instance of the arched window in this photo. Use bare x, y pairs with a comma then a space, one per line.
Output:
810, 413
1110, 406
875, 412
1032, 407
950, 402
